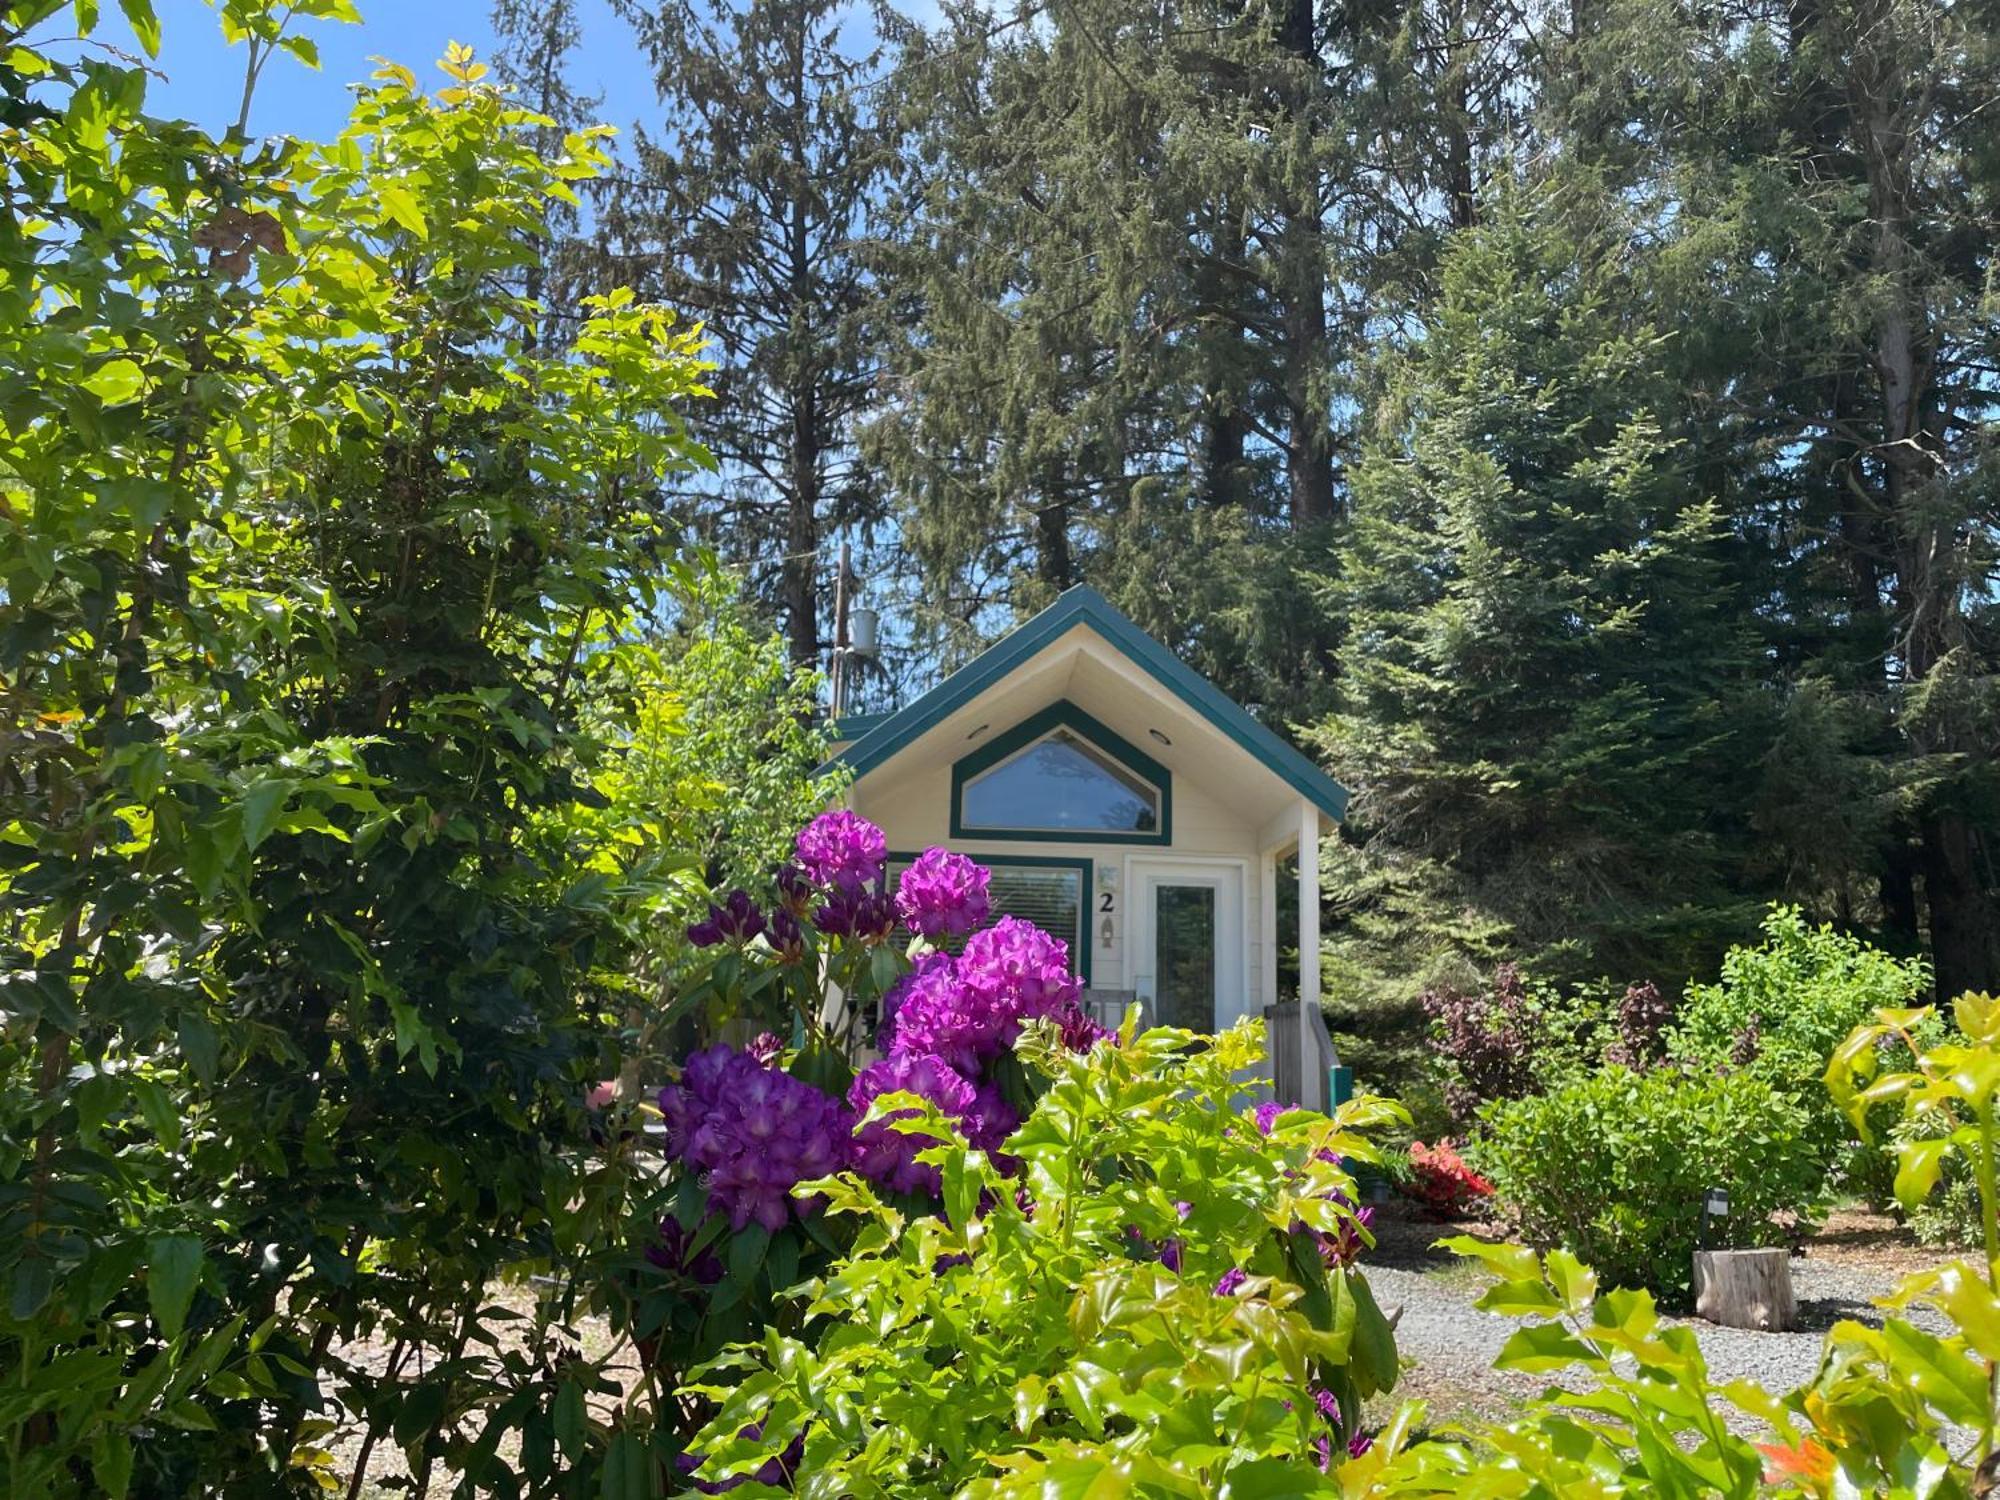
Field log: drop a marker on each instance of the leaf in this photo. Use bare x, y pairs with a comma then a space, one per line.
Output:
1573, 1281
1031, 1394
115, 382
173, 1267
200, 1046
1918, 1165
962, 1182
1085, 1388
1509, 1262
261, 805
146, 27
34, 1279
1271, 1479
1542, 1346
401, 205
746, 1253
159, 1112
1371, 1342
569, 1419
111, 1458
628, 1470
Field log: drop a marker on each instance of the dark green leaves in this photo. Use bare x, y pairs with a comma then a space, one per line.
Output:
173, 1268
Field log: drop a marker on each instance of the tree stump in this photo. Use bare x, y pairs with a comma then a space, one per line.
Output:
1745, 1289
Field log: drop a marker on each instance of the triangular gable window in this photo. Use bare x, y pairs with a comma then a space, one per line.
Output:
1061, 775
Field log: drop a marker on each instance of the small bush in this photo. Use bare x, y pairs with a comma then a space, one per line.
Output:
1781, 1008
1614, 1167
1441, 1181
1511, 1039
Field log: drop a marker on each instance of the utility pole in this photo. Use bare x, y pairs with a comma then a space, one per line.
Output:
837, 669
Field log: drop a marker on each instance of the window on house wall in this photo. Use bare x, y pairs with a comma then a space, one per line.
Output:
1052, 896
1060, 784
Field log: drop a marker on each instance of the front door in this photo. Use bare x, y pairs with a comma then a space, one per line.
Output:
1188, 959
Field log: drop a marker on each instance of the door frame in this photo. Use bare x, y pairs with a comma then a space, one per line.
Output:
1230, 876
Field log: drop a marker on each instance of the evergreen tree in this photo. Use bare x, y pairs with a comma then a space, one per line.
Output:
1548, 681
1819, 170
747, 207
537, 39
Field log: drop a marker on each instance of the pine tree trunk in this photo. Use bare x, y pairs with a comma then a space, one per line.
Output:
1302, 288
1052, 558
1225, 424
1964, 927
800, 596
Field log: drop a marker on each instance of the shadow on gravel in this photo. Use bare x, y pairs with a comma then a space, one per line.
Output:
1405, 1239
1818, 1314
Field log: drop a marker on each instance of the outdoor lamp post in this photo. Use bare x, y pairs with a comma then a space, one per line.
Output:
1714, 1208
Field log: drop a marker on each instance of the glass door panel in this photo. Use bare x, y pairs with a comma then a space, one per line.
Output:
1184, 946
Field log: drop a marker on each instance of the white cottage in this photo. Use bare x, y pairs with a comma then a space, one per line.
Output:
1124, 803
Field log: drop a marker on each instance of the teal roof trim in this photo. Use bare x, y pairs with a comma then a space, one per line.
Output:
1083, 605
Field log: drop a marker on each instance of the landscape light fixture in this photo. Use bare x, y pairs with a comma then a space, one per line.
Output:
1714, 1209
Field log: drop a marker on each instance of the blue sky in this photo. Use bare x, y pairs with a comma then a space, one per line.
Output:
204, 76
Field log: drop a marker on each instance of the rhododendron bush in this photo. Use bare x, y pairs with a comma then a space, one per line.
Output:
835, 961
1148, 1287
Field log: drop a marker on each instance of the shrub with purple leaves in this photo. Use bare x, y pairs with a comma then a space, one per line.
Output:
1486, 1041
842, 848
887, 1155
1643, 1017
754, 1133
943, 894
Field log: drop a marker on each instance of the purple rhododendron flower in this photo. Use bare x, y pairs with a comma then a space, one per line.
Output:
1170, 1255
1017, 971
1267, 1115
671, 1254
887, 1155
754, 1133
795, 892
1232, 1279
737, 920
943, 894
852, 912
840, 848
933, 1013
931, 969
1079, 1032
786, 936
973, 1010
991, 1119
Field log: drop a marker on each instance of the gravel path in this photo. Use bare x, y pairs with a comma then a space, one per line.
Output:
1449, 1345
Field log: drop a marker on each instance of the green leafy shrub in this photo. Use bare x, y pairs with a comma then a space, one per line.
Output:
1163, 1300
1628, 1406
1779, 1010
308, 953
1614, 1166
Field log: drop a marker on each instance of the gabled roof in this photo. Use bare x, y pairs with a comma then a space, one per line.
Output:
1084, 607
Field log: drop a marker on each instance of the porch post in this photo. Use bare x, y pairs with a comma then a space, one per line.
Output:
1267, 931
1312, 1090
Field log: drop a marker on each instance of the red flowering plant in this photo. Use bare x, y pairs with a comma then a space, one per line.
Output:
836, 958
1443, 1183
